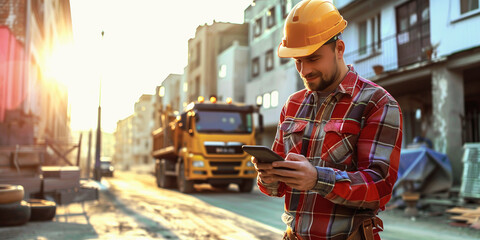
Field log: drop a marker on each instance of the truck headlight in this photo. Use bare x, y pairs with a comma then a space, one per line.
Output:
198, 164
249, 164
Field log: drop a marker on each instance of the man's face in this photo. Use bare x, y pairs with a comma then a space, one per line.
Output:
320, 69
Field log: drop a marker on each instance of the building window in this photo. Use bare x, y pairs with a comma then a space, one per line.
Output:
259, 100
258, 27
197, 86
185, 87
266, 100
375, 33
274, 98
468, 5
161, 92
286, 7
269, 60
222, 72
413, 31
369, 37
362, 38
198, 55
255, 67
191, 55
271, 19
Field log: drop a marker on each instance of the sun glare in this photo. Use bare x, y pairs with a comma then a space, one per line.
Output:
59, 65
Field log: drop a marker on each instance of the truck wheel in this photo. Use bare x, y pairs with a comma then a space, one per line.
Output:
246, 185
11, 193
42, 210
164, 180
184, 185
13, 214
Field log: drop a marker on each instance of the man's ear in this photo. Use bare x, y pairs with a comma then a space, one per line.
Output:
340, 48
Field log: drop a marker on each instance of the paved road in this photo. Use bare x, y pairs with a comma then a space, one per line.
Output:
254, 205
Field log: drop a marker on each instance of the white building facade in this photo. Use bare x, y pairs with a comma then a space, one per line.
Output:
232, 65
142, 126
271, 79
427, 56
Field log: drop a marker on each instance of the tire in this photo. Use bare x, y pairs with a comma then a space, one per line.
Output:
42, 210
246, 185
11, 193
14, 214
184, 185
163, 180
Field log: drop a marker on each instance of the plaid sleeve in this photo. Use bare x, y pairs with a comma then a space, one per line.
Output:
378, 154
276, 189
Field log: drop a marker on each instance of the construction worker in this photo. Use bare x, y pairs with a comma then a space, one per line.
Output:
340, 137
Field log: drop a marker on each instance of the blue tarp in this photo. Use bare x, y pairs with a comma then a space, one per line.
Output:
428, 170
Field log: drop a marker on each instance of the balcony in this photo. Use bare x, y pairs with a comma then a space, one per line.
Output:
394, 53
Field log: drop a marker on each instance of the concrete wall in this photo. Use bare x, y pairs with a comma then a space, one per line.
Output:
452, 30
142, 128
123, 156
448, 111
232, 65
172, 87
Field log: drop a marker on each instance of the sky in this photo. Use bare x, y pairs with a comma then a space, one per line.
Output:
144, 41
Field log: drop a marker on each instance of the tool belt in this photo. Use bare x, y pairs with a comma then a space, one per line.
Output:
363, 232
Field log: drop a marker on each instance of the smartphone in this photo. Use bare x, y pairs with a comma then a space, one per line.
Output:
262, 154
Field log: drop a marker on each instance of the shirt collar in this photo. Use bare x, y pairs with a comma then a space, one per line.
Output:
347, 86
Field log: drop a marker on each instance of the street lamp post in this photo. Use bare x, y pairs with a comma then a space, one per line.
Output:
98, 145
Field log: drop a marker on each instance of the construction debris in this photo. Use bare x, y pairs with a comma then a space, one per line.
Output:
466, 216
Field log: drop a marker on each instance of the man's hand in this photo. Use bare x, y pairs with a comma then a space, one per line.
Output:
303, 175
264, 171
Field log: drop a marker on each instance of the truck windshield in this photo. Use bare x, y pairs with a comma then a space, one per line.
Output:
223, 122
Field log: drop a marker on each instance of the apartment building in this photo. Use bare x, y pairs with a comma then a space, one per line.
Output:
142, 126
123, 155
427, 56
203, 49
271, 79
232, 65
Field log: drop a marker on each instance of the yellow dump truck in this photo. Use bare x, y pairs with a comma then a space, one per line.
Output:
204, 145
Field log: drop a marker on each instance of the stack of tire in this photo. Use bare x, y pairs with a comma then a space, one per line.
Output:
15, 211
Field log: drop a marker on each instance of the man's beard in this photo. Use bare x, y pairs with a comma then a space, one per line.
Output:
323, 83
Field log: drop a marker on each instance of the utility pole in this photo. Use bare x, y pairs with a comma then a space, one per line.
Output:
98, 144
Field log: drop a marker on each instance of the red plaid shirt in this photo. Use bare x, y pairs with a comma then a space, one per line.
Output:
354, 144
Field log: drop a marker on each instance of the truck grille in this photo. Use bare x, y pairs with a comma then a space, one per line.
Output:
224, 149
225, 168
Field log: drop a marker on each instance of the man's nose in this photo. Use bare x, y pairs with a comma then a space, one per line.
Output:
304, 69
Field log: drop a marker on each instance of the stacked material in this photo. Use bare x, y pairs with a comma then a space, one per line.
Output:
465, 216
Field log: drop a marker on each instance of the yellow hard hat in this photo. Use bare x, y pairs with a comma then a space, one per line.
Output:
309, 25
